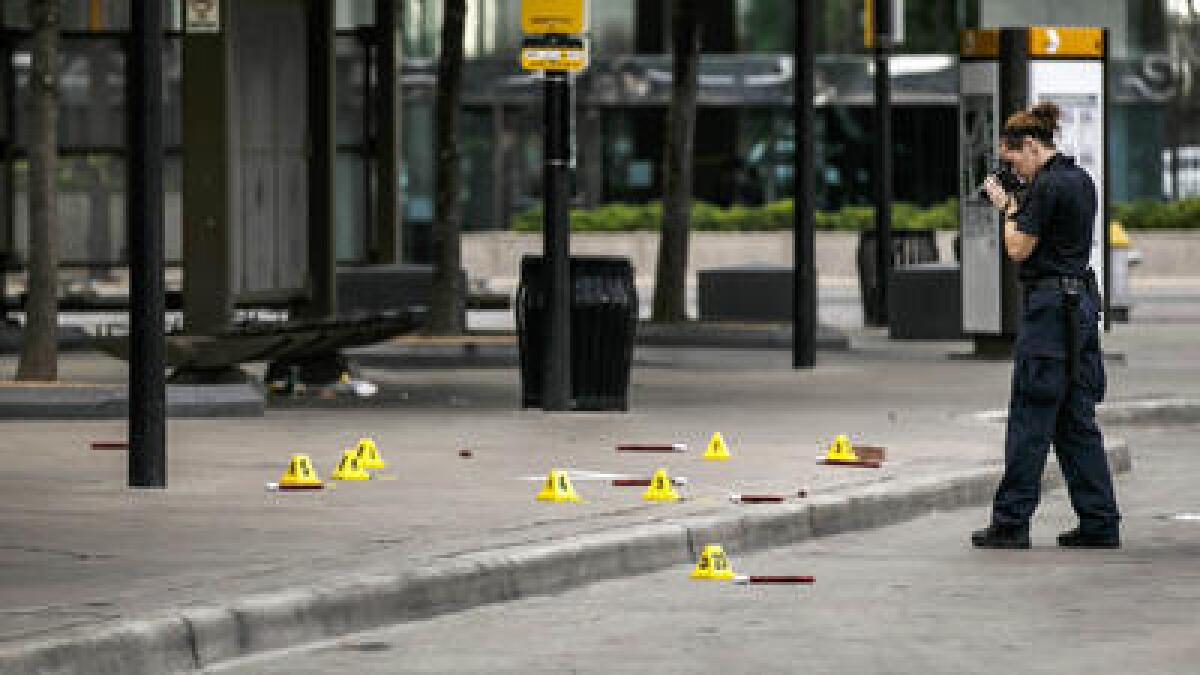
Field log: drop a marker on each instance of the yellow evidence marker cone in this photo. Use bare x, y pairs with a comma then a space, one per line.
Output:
368, 455
716, 447
349, 468
712, 564
841, 450
660, 489
300, 475
558, 488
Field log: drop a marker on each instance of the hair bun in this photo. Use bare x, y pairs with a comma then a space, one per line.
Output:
1047, 115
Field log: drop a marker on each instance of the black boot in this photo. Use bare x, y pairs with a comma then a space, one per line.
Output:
994, 536
1077, 539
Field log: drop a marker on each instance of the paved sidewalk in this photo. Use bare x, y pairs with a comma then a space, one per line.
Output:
79, 551
911, 598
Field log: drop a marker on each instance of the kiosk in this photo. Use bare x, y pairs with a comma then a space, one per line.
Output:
1002, 71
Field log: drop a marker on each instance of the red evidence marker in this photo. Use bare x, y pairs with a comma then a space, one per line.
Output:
652, 447
276, 487
862, 463
677, 481
765, 499
870, 453
774, 579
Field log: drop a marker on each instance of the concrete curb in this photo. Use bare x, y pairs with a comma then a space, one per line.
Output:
201, 637
467, 354
1157, 411
1146, 411
61, 402
732, 335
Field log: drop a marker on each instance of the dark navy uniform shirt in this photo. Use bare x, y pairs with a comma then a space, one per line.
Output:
1059, 208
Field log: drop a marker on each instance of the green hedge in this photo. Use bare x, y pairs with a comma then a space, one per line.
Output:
774, 216
1147, 214
1137, 215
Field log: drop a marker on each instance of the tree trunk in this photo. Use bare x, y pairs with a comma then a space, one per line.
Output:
670, 281
448, 294
39, 347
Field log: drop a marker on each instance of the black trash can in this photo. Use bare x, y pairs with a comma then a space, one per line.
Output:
909, 247
603, 320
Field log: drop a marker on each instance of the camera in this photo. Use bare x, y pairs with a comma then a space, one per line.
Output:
1010, 181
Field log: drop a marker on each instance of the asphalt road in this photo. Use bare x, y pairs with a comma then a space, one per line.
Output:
912, 598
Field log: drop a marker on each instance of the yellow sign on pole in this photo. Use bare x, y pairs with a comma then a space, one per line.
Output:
565, 17
553, 58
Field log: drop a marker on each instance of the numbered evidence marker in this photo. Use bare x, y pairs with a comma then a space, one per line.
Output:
661, 489
558, 488
300, 475
841, 453
349, 468
712, 564
368, 454
717, 449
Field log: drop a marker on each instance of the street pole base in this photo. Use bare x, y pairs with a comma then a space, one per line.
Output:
990, 348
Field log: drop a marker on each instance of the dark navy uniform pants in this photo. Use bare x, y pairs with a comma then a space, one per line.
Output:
1048, 408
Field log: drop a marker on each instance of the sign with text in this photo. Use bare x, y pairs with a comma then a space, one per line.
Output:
553, 58
203, 16
554, 52
563, 17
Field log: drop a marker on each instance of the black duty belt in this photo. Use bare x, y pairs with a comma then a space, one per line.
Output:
1073, 289
1065, 283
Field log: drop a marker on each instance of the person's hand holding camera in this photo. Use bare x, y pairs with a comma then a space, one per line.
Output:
1000, 198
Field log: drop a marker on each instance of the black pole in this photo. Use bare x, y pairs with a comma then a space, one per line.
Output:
147, 342
804, 274
883, 155
322, 153
1106, 214
1013, 96
388, 21
557, 241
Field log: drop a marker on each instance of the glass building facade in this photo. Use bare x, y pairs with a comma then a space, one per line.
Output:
745, 140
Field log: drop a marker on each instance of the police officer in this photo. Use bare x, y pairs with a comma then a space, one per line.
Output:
1058, 373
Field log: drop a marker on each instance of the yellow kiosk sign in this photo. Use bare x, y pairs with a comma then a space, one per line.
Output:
1043, 42
1066, 42
564, 17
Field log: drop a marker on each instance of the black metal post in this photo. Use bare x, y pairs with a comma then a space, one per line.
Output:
804, 272
147, 306
322, 246
1105, 212
557, 240
368, 41
1013, 96
883, 154
388, 21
